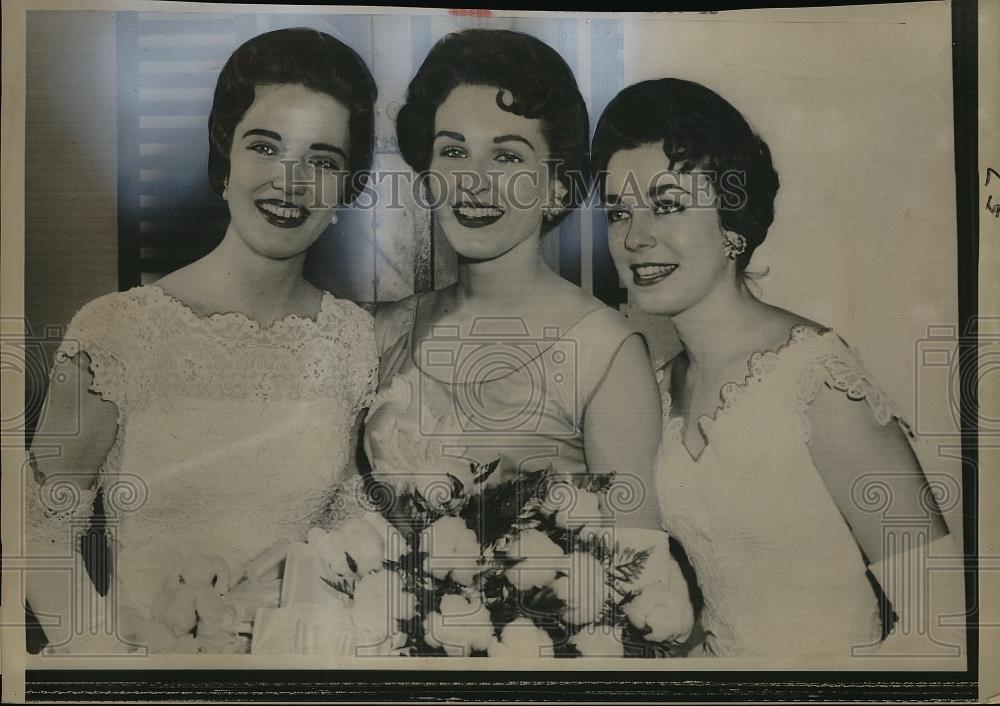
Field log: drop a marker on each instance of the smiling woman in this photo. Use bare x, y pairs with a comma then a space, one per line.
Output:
771, 421
223, 401
511, 368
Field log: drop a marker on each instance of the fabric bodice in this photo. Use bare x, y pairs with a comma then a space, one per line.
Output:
497, 392
231, 435
781, 573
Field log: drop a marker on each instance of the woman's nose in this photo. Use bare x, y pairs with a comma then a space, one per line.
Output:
638, 236
293, 176
475, 177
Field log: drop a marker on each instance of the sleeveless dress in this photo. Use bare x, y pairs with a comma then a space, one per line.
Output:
781, 573
231, 436
496, 392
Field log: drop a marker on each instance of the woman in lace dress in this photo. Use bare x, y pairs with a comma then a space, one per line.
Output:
512, 361
223, 401
772, 425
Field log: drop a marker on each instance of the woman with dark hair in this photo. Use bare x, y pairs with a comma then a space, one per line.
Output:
222, 401
512, 362
772, 425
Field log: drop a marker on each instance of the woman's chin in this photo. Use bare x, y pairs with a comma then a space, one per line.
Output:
654, 303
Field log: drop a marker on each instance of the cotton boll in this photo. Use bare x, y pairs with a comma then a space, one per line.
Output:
584, 591
177, 611
521, 638
459, 627
208, 569
538, 563
599, 641
666, 612
379, 602
452, 549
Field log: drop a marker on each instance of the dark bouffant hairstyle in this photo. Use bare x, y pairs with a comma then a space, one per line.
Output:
535, 75
302, 56
699, 130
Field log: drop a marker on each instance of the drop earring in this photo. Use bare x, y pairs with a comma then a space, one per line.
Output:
733, 244
334, 218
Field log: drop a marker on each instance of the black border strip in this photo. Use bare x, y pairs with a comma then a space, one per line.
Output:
483, 686
965, 86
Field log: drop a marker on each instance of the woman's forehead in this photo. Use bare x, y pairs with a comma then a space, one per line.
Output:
473, 110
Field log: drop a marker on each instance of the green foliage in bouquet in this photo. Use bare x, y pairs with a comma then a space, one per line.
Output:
493, 518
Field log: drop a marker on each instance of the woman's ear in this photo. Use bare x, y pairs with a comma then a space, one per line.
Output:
225, 189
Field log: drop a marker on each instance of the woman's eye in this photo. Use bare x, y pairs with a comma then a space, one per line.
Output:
509, 158
453, 152
263, 148
661, 208
617, 214
326, 163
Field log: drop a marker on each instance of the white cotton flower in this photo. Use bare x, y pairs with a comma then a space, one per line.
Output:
521, 638
539, 562
379, 603
599, 641
367, 541
460, 626
452, 548
663, 609
584, 591
572, 506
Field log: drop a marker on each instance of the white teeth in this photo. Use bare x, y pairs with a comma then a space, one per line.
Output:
282, 212
654, 270
467, 212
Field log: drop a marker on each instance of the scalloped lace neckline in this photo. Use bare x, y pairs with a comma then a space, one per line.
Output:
240, 318
758, 365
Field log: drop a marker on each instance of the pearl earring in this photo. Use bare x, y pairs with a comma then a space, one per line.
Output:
334, 218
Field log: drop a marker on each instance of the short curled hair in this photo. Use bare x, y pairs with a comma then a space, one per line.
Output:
699, 130
534, 74
305, 57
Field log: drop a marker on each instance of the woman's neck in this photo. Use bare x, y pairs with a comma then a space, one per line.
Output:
512, 277
235, 277
709, 330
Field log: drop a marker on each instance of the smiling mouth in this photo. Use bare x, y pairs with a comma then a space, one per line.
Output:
477, 216
282, 213
647, 273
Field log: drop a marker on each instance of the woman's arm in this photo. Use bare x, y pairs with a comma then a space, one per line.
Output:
876, 481
74, 435
622, 428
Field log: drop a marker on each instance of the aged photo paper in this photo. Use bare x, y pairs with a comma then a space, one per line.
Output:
885, 231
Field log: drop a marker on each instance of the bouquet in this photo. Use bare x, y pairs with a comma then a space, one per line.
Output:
480, 560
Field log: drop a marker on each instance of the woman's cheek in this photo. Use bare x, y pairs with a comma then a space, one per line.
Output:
521, 190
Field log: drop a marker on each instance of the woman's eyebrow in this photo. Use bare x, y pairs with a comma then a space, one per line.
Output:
457, 136
661, 189
512, 138
263, 133
324, 147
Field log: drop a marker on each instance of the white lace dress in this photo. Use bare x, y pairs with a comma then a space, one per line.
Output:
231, 436
781, 573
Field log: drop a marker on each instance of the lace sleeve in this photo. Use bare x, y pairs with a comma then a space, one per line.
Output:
841, 368
97, 330
57, 511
